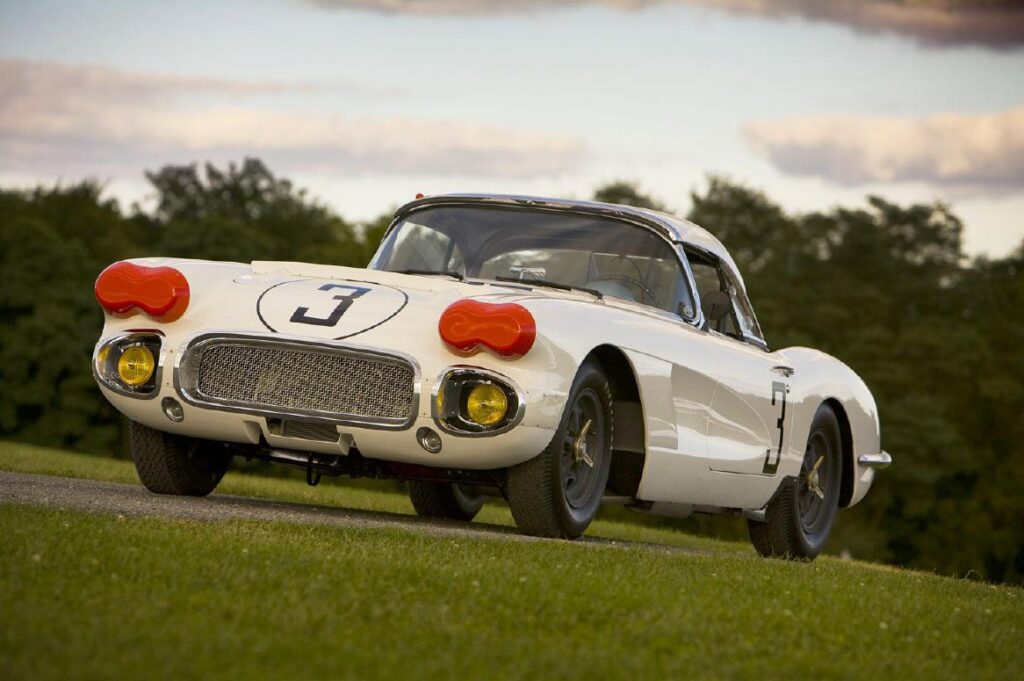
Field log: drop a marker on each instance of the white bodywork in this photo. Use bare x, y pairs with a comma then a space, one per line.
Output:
707, 414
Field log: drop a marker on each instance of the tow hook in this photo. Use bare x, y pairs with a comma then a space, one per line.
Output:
312, 474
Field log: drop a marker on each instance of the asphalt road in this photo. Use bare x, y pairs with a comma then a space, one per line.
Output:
135, 500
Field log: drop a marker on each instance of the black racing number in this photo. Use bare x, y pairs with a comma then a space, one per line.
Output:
778, 388
345, 301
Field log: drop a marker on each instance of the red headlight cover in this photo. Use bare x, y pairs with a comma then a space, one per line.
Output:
506, 328
160, 292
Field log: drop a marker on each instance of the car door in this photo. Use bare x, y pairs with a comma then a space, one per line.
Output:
748, 413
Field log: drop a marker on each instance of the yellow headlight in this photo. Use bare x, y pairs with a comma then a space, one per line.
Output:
136, 365
486, 404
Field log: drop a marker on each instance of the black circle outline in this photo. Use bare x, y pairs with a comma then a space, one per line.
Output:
401, 307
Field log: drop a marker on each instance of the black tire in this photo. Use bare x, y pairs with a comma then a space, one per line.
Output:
798, 521
172, 464
557, 494
444, 500
759, 537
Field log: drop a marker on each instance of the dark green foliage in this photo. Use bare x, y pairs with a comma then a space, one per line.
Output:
55, 241
627, 194
244, 214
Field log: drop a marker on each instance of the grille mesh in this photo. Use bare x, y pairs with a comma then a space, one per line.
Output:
310, 431
273, 377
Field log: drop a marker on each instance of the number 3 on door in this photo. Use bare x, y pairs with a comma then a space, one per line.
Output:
778, 388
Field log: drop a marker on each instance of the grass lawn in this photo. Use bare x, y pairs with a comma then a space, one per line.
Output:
98, 596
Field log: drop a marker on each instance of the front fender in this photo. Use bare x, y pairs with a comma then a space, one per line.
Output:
826, 379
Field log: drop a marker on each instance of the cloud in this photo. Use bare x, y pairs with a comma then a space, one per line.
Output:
972, 153
994, 24
26, 79
66, 119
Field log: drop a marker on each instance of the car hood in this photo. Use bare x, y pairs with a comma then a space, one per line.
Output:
333, 302
330, 301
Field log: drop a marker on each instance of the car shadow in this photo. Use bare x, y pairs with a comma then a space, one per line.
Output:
347, 516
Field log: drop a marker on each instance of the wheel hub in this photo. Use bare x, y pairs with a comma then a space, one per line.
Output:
814, 479
579, 446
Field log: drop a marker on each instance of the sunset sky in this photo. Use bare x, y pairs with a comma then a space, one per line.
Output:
367, 102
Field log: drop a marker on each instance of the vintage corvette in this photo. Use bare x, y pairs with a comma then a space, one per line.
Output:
560, 354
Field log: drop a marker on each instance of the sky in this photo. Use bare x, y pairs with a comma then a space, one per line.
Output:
368, 102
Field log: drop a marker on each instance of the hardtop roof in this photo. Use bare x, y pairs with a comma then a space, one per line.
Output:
674, 228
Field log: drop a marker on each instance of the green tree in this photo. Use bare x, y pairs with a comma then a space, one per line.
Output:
246, 213
627, 194
53, 243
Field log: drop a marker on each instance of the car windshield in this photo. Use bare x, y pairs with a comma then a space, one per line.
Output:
612, 257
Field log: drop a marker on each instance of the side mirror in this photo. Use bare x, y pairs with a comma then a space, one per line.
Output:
717, 305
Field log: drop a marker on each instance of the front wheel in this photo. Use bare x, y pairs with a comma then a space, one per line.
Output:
172, 464
798, 521
444, 500
557, 494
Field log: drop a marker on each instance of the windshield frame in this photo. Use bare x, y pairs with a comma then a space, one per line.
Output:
633, 219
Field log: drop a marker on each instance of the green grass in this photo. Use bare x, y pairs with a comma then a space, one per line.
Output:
99, 596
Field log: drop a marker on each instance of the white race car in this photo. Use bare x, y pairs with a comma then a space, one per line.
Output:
560, 354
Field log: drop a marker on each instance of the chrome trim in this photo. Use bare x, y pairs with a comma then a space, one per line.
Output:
491, 376
747, 338
117, 387
650, 219
691, 281
283, 340
757, 342
880, 460
662, 227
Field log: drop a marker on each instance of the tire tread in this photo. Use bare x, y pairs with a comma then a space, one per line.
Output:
171, 464
781, 534
438, 500
532, 497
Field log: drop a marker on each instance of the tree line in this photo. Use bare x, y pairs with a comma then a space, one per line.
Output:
937, 335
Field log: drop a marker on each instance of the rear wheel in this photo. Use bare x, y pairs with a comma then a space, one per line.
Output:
798, 521
557, 494
172, 464
444, 500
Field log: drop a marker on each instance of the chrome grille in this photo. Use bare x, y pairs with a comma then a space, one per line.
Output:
282, 378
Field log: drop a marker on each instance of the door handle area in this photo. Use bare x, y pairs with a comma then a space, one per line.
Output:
784, 370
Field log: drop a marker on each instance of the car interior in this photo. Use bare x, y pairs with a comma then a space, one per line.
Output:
712, 281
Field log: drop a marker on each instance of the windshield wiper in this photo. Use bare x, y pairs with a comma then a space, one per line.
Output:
448, 273
551, 284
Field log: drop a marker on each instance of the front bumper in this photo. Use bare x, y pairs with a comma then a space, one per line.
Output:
864, 475
392, 442
877, 461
